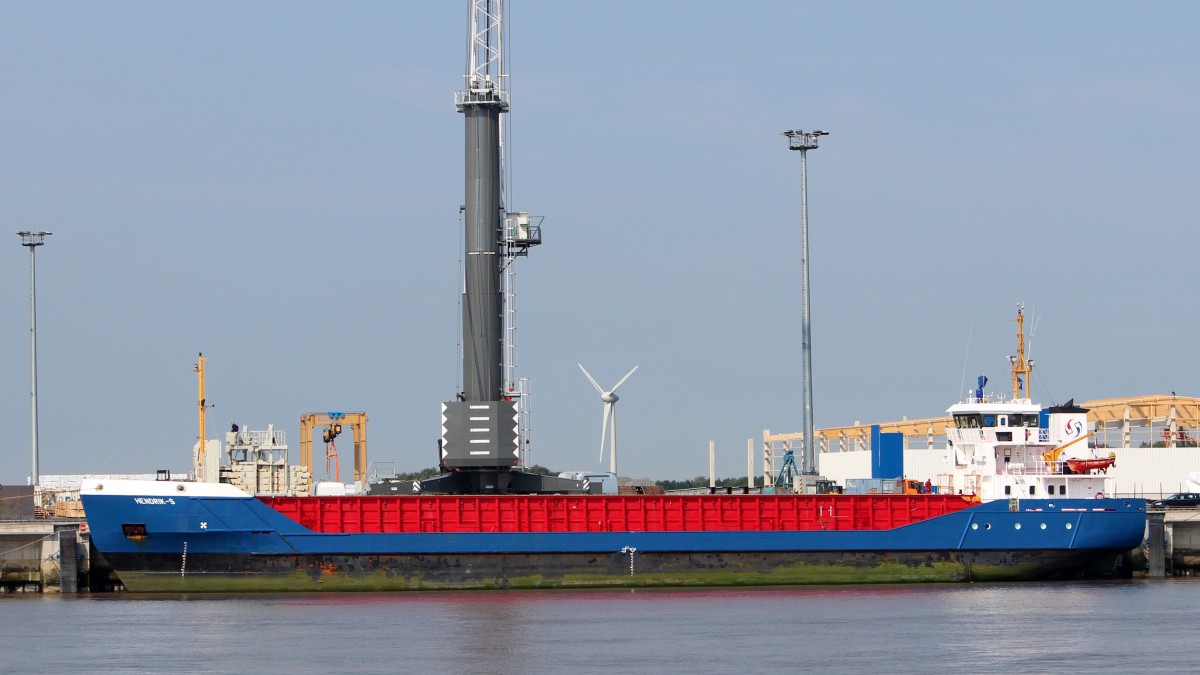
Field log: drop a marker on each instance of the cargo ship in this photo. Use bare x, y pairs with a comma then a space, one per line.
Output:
184, 536
486, 523
1013, 509
175, 536
1022, 502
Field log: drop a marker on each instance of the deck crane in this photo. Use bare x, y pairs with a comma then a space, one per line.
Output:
480, 449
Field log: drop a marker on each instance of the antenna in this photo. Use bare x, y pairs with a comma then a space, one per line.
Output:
610, 399
1037, 319
966, 357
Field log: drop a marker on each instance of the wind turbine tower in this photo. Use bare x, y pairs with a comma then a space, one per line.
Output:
609, 419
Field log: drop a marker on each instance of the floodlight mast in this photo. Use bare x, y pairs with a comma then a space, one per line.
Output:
32, 240
798, 139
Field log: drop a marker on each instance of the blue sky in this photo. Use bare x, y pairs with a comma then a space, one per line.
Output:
277, 186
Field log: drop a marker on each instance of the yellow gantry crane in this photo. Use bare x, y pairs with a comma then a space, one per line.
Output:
334, 421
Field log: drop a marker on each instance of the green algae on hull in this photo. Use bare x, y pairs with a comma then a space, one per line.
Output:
413, 573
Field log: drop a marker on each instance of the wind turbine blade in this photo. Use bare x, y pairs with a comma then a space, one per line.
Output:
604, 428
591, 379
612, 448
623, 379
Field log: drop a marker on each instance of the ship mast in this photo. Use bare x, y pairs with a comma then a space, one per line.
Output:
199, 370
1022, 368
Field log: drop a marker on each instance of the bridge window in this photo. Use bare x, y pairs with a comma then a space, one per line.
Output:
965, 421
1022, 420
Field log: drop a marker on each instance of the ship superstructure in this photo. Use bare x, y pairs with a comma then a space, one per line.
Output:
1003, 447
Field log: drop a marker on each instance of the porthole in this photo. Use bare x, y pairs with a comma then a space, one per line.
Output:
1068, 526
987, 526
1043, 526
1017, 526
179, 487
974, 526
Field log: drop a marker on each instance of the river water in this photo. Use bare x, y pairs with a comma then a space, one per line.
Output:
1138, 626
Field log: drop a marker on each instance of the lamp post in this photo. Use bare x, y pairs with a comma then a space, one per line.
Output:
801, 140
33, 240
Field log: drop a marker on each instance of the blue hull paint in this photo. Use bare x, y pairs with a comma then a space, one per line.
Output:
247, 525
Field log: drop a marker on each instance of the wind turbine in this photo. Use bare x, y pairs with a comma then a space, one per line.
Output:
610, 413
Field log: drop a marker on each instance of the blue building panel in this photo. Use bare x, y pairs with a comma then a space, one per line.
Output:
887, 453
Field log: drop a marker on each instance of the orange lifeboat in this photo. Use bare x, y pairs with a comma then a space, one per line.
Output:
1085, 465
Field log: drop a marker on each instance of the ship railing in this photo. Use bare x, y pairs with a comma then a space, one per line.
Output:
1039, 468
988, 435
988, 398
261, 438
1023, 469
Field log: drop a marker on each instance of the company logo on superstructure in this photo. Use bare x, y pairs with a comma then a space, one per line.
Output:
1073, 428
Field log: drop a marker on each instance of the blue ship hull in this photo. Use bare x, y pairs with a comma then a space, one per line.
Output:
201, 543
